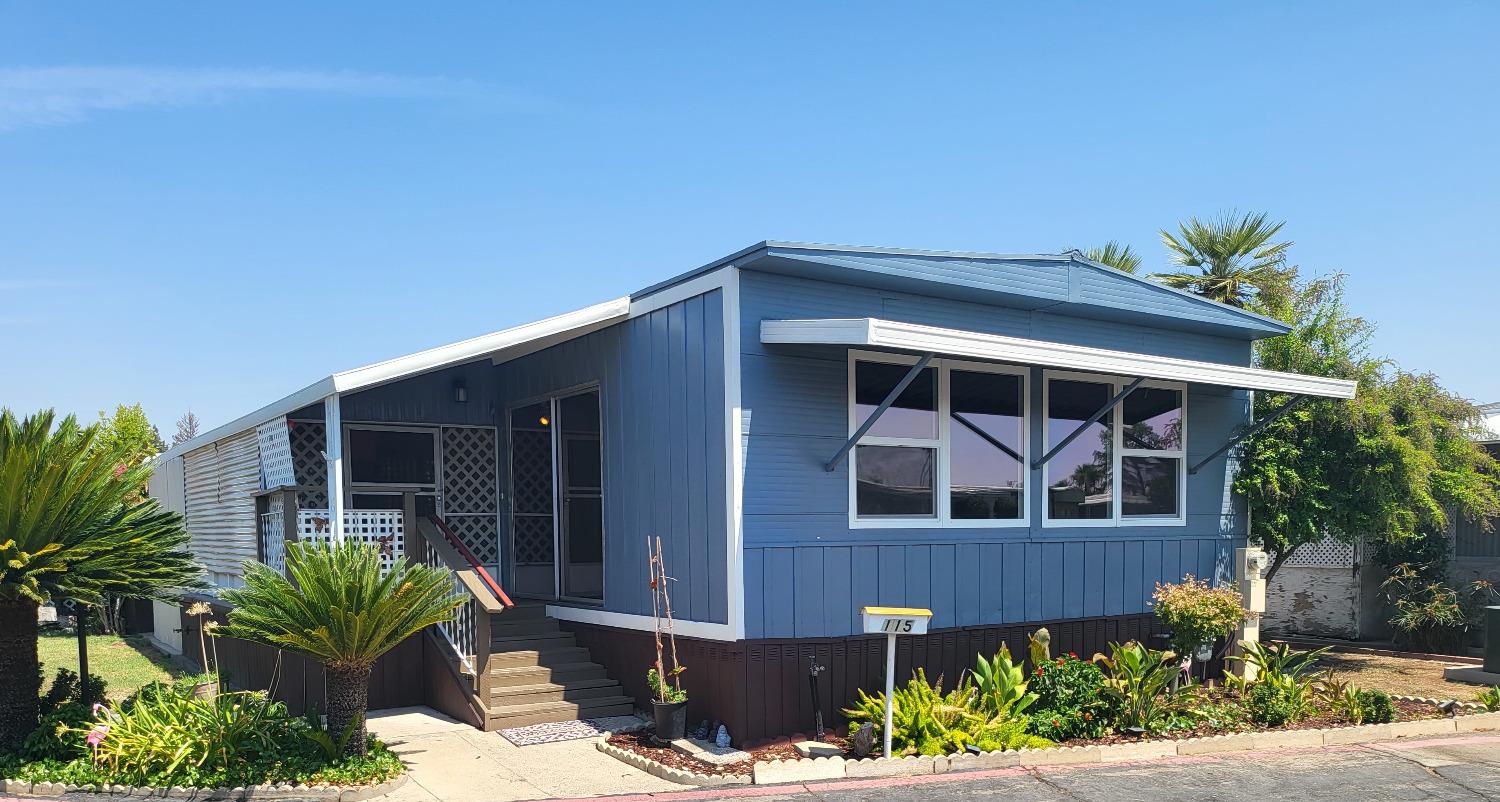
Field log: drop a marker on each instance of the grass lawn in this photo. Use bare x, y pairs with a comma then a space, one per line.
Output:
124, 663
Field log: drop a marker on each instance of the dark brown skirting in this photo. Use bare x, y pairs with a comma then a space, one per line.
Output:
398, 679
759, 688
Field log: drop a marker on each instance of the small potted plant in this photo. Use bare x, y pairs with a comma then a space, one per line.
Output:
668, 699
1197, 614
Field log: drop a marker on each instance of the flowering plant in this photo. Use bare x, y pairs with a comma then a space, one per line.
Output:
1069, 700
1197, 613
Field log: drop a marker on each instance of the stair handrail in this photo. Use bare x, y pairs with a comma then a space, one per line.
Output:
471, 562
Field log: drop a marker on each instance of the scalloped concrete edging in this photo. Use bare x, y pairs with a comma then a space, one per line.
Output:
836, 768
665, 772
321, 793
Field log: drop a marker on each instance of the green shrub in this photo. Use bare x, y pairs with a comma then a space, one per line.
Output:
1196, 613
1070, 702
927, 721
1489, 697
1137, 683
1275, 704
169, 734
1376, 707
1000, 686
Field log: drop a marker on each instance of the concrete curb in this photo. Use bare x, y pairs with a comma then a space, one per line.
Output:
655, 769
320, 793
826, 768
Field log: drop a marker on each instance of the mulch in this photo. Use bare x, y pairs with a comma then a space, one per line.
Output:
643, 743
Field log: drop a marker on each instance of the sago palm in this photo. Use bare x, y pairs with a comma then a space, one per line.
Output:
1234, 257
335, 607
72, 526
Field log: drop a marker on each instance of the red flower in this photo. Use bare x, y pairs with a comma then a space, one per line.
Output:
1073, 655
1038, 671
1088, 716
1056, 723
1060, 662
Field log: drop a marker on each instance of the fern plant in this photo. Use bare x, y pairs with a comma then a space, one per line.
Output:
335, 607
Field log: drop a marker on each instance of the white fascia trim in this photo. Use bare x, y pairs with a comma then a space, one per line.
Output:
873, 332
502, 345
644, 623
734, 442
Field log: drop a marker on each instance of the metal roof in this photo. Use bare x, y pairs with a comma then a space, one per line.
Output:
501, 345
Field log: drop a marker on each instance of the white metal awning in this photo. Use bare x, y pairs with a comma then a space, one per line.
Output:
888, 334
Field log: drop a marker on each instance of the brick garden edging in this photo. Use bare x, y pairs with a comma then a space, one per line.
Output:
836, 768
320, 793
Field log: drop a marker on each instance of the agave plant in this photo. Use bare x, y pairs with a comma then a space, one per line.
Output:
72, 525
335, 607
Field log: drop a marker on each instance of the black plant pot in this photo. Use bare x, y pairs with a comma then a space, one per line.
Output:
671, 720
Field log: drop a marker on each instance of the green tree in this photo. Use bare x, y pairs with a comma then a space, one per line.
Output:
334, 606
1232, 257
130, 433
1112, 253
1388, 466
71, 526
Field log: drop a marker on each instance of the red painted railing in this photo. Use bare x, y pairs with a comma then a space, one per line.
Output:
473, 561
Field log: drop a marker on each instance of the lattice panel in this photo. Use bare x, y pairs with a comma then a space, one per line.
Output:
478, 532
381, 528
533, 539
531, 471
1326, 553
308, 442
273, 534
469, 476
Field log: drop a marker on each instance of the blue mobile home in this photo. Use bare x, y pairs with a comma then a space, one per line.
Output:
1011, 441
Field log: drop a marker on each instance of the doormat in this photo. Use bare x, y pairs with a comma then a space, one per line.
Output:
571, 730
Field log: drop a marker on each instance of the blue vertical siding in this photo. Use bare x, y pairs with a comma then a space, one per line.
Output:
661, 383
427, 398
807, 572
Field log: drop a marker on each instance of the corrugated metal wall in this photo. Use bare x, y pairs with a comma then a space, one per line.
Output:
219, 483
165, 485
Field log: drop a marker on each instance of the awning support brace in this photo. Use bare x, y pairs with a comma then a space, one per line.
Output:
986, 436
1093, 419
1242, 436
890, 398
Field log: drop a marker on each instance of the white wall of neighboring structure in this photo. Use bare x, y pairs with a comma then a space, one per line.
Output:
220, 481
1491, 414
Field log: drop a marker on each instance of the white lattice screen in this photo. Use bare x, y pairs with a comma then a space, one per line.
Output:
470, 499
273, 534
381, 528
1326, 553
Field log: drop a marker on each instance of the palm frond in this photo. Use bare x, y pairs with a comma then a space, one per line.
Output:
1116, 255
335, 606
72, 523
1234, 255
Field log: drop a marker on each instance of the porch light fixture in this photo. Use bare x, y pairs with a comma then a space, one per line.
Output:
544, 421
460, 391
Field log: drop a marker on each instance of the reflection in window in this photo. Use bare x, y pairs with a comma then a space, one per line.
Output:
895, 480
1153, 419
914, 413
1080, 481
1148, 486
987, 476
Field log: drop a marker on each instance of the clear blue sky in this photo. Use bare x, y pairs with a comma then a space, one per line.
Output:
208, 206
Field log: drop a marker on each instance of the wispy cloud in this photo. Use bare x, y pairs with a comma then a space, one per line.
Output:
38, 96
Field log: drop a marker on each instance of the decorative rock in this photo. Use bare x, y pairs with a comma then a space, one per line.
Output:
864, 740
767, 772
709, 754
816, 749
722, 739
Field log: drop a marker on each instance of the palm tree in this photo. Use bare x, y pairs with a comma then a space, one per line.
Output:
72, 525
1234, 256
1115, 255
335, 607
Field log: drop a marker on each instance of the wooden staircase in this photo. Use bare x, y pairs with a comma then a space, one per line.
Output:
539, 674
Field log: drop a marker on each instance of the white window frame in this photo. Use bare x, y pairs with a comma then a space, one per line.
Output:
942, 501
1117, 453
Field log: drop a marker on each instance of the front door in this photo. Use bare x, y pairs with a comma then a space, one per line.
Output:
557, 499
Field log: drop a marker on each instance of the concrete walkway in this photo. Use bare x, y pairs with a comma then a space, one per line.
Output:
453, 762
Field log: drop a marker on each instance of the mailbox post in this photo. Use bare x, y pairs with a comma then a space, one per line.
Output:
891, 622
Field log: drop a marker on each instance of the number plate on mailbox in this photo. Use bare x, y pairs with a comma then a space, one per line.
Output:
896, 620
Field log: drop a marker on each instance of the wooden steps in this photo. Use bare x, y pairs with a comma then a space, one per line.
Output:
538, 674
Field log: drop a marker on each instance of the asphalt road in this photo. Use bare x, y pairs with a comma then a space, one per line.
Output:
1453, 768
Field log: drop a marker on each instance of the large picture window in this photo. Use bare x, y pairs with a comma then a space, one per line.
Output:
950, 450
1126, 469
